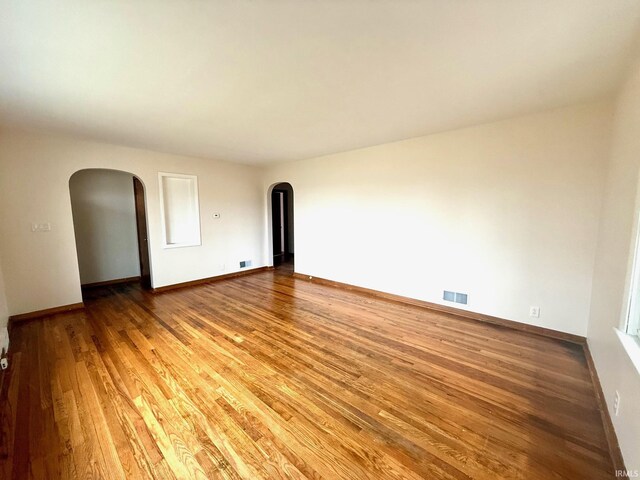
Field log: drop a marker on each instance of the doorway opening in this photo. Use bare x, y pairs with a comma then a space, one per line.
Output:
282, 228
110, 225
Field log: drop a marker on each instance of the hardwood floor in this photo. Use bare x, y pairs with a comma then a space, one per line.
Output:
267, 376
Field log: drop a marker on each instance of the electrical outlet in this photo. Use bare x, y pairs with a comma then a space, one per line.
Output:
616, 404
4, 363
534, 312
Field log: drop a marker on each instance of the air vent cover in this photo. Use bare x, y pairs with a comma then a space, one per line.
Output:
461, 298
455, 297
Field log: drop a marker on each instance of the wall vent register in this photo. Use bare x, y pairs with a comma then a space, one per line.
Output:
455, 297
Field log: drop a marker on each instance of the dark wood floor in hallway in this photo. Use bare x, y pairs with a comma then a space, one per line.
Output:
267, 376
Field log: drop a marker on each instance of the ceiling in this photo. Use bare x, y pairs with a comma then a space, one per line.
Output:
264, 81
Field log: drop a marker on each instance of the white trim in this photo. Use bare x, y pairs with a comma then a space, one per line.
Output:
632, 346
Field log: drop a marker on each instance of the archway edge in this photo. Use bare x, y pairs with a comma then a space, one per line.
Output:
109, 170
146, 211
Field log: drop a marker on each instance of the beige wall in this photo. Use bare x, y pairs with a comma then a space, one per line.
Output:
104, 221
613, 271
506, 212
41, 269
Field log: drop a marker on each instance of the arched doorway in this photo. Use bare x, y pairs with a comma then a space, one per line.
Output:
282, 225
110, 226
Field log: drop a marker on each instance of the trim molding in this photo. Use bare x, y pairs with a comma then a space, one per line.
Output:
115, 281
545, 332
609, 431
45, 313
218, 278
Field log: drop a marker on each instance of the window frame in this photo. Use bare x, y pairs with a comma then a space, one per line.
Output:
632, 315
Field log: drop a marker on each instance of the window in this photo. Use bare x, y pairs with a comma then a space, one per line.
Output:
632, 326
629, 335
179, 210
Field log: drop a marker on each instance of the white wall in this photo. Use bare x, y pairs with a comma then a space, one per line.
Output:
506, 212
104, 220
613, 271
41, 269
